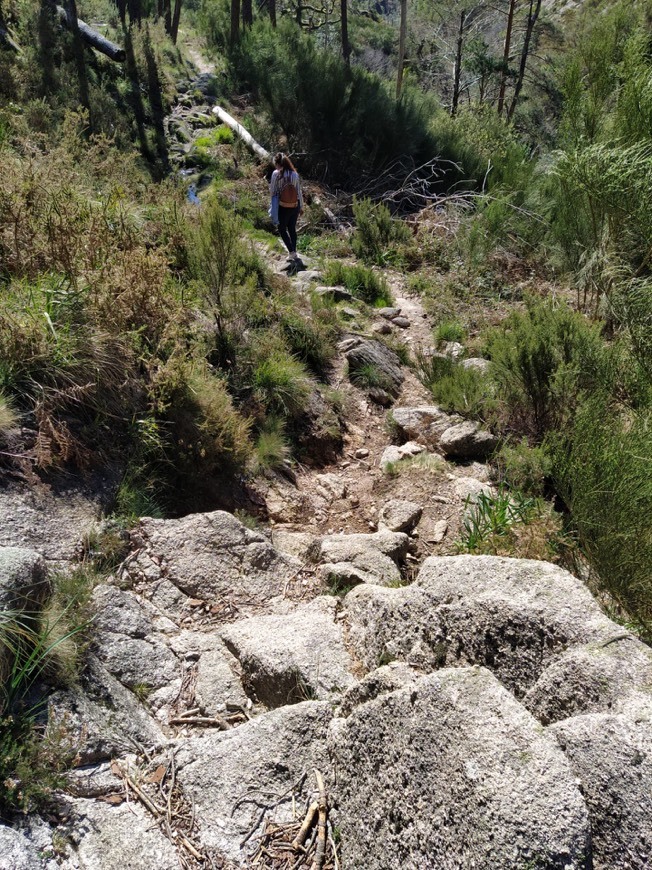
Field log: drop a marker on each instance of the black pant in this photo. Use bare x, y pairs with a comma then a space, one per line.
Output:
287, 224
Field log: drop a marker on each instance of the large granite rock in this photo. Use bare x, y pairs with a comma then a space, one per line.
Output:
122, 837
267, 762
126, 642
364, 558
451, 771
612, 757
293, 657
611, 676
209, 556
423, 424
467, 441
376, 356
102, 719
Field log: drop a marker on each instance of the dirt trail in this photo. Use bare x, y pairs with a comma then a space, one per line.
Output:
346, 496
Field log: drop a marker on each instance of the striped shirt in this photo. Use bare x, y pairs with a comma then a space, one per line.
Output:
280, 178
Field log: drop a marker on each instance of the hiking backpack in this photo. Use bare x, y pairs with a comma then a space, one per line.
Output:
288, 192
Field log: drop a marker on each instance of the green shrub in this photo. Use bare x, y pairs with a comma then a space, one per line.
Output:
363, 283
376, 232
8, 417
509, 523
369, 376
205, 433
272, 449
543, 362
312, 341
325, 110
601, 466
523, 468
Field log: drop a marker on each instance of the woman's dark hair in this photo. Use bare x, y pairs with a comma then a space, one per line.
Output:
283, 160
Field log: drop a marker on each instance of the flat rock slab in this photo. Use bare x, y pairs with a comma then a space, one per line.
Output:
612, 757
290, 658
209, 556
451, 771
231, 775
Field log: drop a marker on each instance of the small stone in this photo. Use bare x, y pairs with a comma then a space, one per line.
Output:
361, 453
400, 516
439, 531
388, 313
401, 322
382, 328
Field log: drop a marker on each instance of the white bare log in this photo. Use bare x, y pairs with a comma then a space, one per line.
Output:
243, 134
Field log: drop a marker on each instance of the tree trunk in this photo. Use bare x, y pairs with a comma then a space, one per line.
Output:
243, 134
73, 26
458, 65
235, 22
272, 12
401, 48
346, 46
93, 38
247, 13
174, 32
535, 8
506, 50
299, 13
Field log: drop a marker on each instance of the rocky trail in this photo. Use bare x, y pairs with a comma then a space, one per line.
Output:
334, 689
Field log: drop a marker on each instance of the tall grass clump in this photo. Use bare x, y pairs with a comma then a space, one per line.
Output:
454, 388
363, 283
377, 234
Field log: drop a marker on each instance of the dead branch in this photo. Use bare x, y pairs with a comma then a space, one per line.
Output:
208, 721
322, 831
306, 825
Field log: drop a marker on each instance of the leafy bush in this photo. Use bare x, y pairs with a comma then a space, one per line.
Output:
312, 341
523, 468
509, 523
543, 362
376, 231
272, 449
455, 388
449, 330
365, 284
369, 376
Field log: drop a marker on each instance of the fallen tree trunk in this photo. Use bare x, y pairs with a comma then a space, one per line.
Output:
243, 134
93, 38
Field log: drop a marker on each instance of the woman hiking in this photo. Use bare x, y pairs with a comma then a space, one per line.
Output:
286, 186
